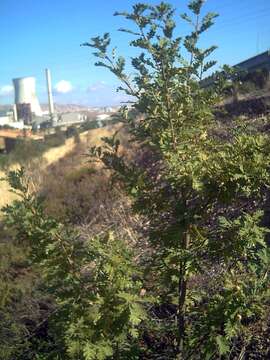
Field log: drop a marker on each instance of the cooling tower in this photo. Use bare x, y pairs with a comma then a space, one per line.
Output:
25, 93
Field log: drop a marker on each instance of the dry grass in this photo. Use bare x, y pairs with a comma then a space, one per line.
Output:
52, 156
6, 197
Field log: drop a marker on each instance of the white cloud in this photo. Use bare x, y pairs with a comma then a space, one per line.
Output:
63, 87
6, 90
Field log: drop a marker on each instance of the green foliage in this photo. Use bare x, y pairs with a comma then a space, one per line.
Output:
72, 131
19, 311
244, 82
191, 174
11, 331
226, 314
94, 283
89, 125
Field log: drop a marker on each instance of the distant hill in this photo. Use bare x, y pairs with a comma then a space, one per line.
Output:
5, 107
67, 107
58, 107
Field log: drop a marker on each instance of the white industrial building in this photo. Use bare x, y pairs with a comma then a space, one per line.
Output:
5, 121
8, 118
71, 118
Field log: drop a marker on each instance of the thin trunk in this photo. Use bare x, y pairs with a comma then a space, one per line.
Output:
235, 93
166, 77
182, 291
116, 355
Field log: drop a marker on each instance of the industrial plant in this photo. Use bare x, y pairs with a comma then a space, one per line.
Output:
27, 112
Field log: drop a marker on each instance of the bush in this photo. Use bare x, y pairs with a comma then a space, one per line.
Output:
20, 311
259, 78
56, 139
89, 125
95, 282
72, 131
4, 161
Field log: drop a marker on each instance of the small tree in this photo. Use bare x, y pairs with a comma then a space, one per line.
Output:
210, 257
94, 283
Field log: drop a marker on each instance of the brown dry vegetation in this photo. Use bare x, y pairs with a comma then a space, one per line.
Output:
80, 192
38, 168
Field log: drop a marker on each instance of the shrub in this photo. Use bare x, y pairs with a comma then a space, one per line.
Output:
89, 125
94, 282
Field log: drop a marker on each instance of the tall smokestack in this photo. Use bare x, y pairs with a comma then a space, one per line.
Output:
49, 88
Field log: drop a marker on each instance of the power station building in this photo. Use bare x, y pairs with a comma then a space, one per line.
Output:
27, 112
26, 100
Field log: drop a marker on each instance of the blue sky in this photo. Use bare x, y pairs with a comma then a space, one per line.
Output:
36, 34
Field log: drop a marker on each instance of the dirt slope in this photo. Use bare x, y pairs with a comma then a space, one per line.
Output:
90, 138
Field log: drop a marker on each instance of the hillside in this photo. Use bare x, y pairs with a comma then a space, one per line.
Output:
54, 155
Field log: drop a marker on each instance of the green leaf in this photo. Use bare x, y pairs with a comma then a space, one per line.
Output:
223, 345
